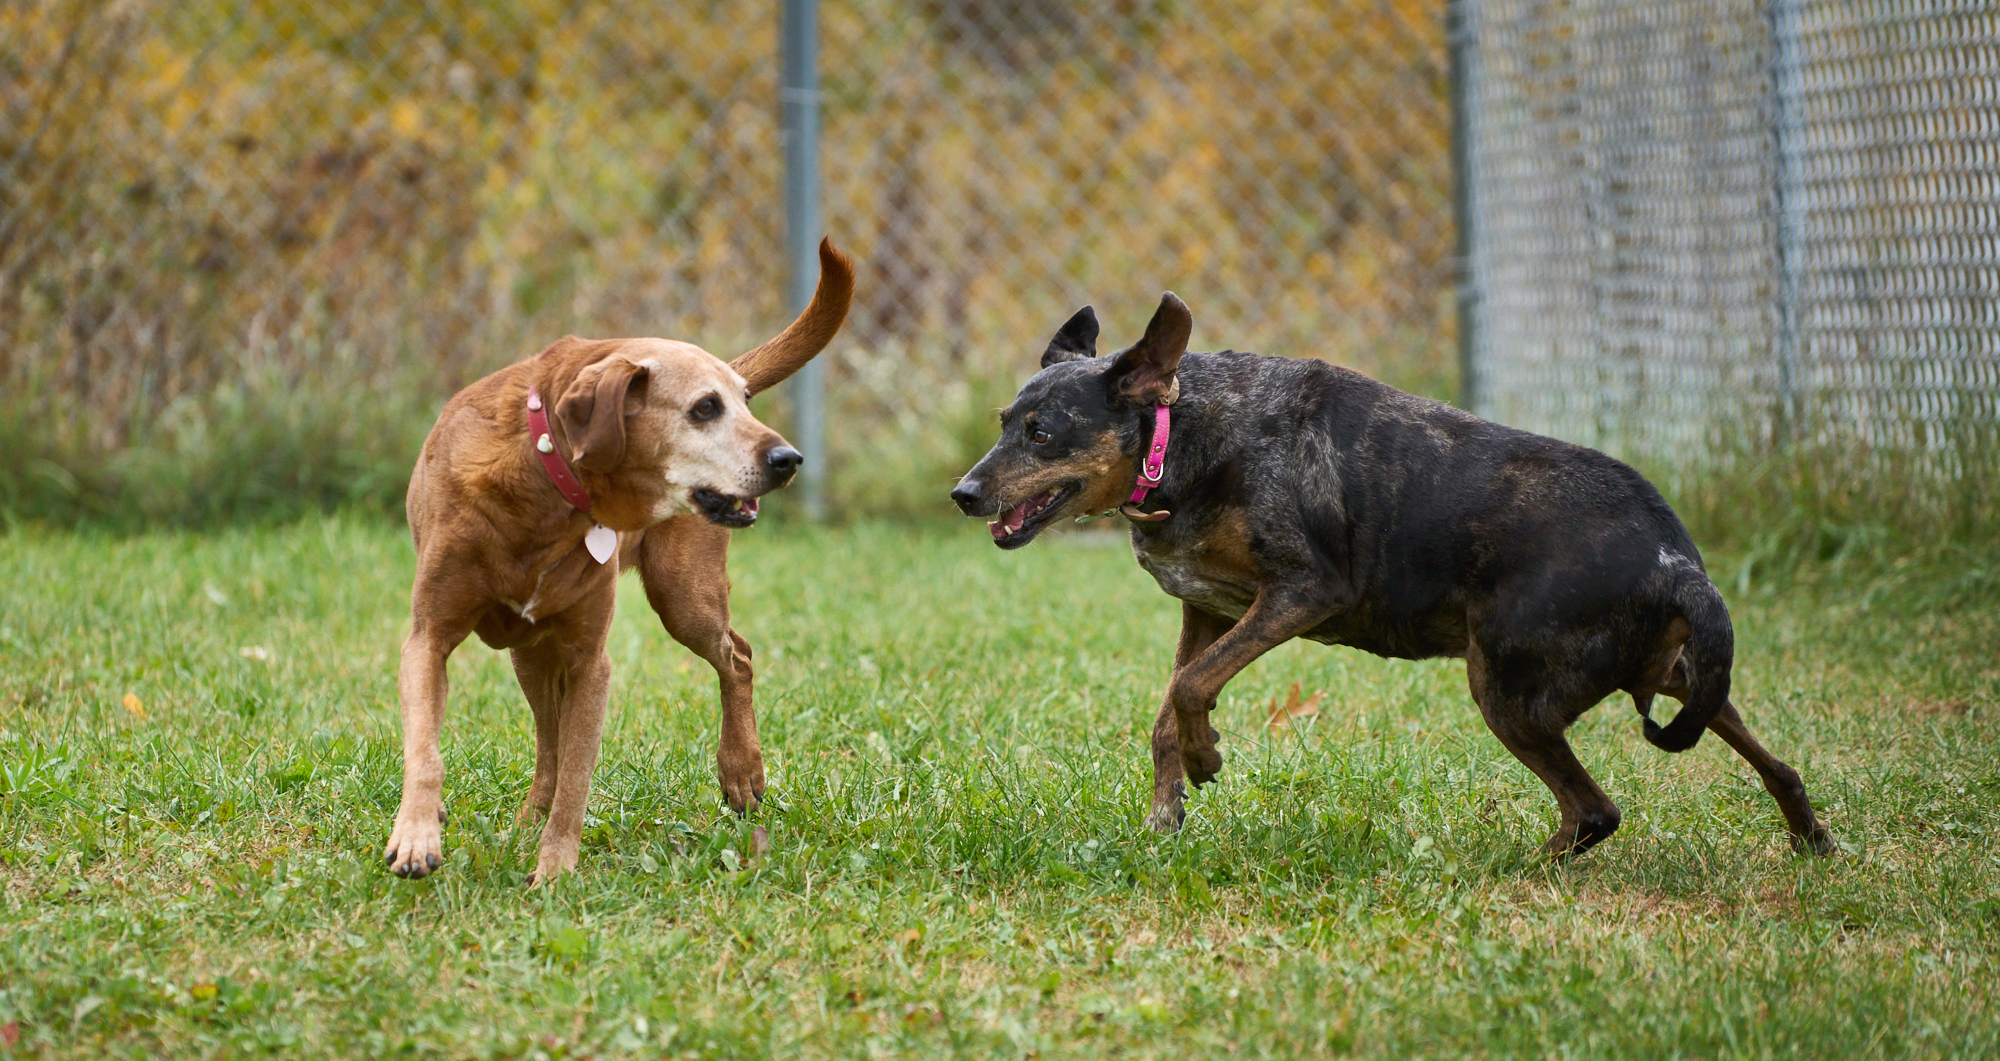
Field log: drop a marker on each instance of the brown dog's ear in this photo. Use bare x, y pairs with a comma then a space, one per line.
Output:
1075, 341
593, 410
1144, 374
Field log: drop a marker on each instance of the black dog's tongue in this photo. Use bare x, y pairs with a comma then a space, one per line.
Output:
1009, 522
1018, 515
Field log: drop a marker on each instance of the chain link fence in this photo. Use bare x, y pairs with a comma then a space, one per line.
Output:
1706, 228
247, 246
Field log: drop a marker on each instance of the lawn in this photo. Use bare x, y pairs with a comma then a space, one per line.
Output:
198, 766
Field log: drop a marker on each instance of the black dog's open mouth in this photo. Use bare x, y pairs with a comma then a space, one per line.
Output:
725, 510
1018, 525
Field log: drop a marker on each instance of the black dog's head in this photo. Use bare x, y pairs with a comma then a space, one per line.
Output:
1069, 445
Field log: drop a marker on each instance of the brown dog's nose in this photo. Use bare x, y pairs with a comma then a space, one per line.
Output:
967, 494
783, 461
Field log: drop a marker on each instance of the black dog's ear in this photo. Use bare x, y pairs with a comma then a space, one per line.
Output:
1076, 341
1144, 373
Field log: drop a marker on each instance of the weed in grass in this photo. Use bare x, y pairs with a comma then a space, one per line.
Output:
952, 861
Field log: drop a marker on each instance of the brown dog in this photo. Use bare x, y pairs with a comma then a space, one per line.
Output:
653, 438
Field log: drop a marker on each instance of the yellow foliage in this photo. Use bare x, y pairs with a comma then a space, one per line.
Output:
358, 191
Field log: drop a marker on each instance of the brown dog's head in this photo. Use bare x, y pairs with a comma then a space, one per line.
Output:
657, 428
1069, 445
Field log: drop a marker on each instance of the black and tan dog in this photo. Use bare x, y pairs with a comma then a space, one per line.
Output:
1297, 499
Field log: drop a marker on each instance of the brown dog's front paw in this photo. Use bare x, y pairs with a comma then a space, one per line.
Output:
1201, 764
1169, 811
742, 781
416, 845
552, 863
1167, 818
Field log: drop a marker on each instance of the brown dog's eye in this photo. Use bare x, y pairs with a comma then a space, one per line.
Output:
706, 409
1040, 436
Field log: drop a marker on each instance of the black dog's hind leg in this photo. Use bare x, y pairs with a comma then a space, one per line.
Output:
1781, 781
1199, 630
1535, 737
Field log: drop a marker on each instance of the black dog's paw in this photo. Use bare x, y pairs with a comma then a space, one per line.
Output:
1201, 764
1819, 843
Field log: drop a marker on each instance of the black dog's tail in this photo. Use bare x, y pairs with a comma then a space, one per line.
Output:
1705, 660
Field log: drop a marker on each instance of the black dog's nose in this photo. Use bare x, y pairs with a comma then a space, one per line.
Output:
784, 460
967, 493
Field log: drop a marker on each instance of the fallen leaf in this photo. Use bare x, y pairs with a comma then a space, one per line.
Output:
10, 1033
760, 841
1941, 707
911, 936
203, 992
133, 706
1281, 715
256, 652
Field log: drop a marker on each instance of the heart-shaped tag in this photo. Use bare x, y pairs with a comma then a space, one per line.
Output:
602, 541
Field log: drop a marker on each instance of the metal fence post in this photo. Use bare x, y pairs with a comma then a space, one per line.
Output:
1787, 422
1459, 39
800, 98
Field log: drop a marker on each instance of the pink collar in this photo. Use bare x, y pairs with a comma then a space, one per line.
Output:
1152, 468
553, 462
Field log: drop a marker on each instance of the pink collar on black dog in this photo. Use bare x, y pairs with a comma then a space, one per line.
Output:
1152, 468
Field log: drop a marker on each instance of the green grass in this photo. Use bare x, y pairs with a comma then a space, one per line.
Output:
956, 740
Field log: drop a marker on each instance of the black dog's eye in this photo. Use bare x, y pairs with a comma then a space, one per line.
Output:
1039, 436
706, 409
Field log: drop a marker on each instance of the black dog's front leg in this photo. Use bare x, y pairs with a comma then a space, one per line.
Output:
1199, 630
1274, 618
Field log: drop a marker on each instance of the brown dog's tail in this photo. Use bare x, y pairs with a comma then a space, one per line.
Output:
1706, 658
772, 363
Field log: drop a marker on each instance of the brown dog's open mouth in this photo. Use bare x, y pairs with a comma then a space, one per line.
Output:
725, 510
1018, 525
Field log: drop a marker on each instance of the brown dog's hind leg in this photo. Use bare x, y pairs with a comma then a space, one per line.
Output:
684, 564
1588, 815
567, 680
1198, 631
545, 700
1780, 780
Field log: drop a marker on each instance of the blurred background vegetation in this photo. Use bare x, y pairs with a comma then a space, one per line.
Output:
247, 248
